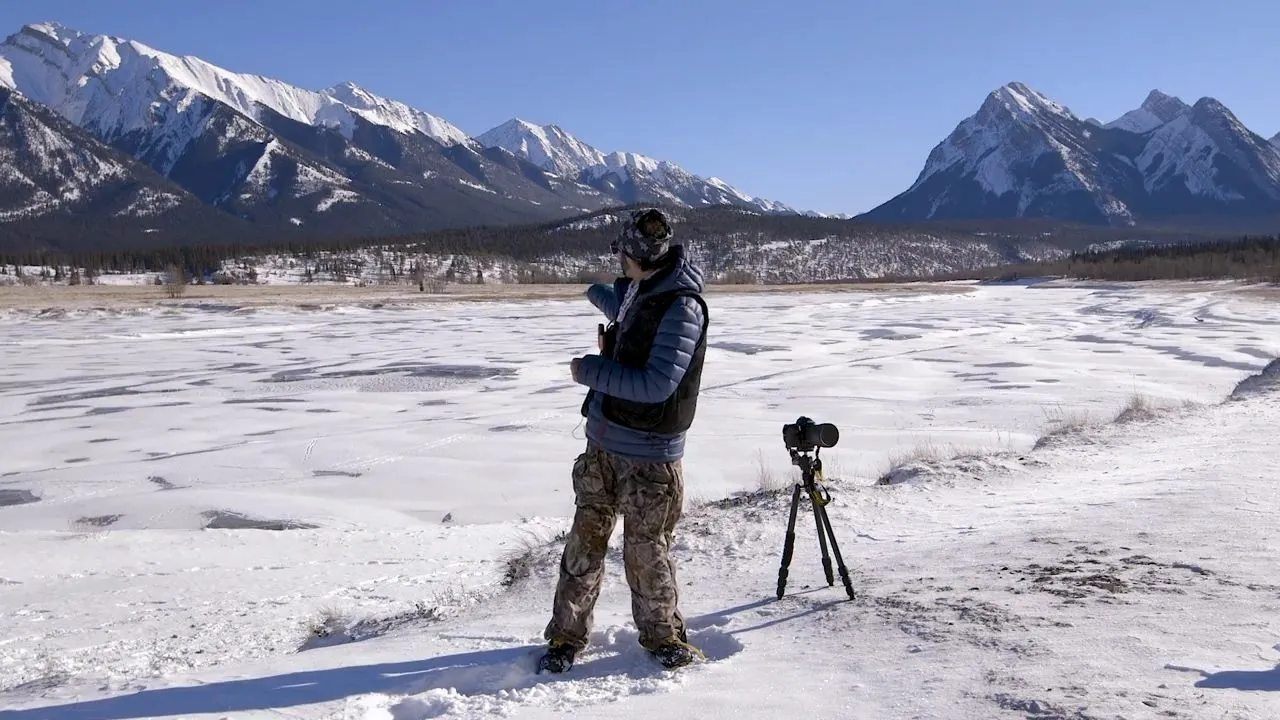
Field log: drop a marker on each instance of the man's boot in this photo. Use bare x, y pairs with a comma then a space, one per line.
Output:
674, 654
557, 659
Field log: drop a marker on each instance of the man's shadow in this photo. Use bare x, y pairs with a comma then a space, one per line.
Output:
468, 670
483, 672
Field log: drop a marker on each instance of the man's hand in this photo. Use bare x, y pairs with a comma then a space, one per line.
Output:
574, 366
600, 337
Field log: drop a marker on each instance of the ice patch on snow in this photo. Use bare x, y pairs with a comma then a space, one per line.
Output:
230, 520
11, 496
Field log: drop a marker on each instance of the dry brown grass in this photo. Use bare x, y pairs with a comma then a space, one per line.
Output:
530, 551
929, 453
1064, 424
328, 621
769, 478
1138, 407
84, 297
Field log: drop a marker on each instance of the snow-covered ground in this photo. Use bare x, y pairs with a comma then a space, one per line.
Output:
404, 455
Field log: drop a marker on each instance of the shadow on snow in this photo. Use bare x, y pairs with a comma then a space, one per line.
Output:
484, 672
1242, 679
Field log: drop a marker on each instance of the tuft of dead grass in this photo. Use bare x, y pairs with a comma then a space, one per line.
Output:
907, 463
330, 625
1137, 407
530, 552
769, 479
1076, 425
1061, 425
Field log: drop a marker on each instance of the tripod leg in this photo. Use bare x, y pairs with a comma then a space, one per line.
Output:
844, 572
818, 514
789, 545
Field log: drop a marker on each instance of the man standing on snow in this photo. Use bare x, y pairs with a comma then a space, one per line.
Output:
643, 393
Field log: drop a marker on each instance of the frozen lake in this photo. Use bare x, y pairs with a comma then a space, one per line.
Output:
402, 454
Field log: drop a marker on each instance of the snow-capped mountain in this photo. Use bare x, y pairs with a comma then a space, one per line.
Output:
1025, 155
1022, 154
53, 173
630, 177
337, 161
1275, 140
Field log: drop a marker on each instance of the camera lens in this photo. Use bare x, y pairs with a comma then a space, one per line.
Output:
826, 435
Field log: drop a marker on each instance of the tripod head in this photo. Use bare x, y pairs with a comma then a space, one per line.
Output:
807, 463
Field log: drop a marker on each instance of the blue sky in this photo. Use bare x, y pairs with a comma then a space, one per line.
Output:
831, 106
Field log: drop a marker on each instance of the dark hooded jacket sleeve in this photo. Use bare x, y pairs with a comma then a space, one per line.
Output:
673, 349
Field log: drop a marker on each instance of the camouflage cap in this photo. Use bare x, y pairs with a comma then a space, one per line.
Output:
646, 235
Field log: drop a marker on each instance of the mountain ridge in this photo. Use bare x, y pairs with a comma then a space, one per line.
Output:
629, 175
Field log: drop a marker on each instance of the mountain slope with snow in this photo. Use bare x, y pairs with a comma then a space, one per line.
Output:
53, 174
1204, 159
48, 166
1025, 155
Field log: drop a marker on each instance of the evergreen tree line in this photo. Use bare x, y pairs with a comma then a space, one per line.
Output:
589, 235
1255, 258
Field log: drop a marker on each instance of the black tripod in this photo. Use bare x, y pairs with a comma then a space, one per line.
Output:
811, 468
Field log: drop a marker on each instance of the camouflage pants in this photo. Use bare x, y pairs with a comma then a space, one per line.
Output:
650, 497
